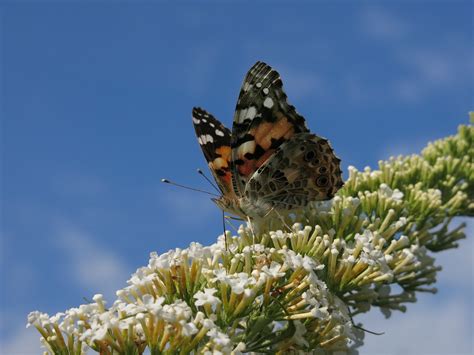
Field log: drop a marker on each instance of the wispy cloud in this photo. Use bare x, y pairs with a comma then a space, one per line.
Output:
183, 205
301, 83
442, 327
78, 184
23, 341
458, 264
92, 265
432, 69
428, 67
381, 24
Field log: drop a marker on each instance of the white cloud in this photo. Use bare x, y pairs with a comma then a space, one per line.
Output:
93, 266
431, 69
381, 24
188, 206
89, 265
23, 341
428, 327
458, 264
301, 83
78, 184
428, 67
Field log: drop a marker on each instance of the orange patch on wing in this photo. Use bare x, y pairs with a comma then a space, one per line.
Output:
265, 132
222, 164
264, 158
225, 152
250, 166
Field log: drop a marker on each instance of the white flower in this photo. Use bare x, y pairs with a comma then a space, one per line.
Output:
188, 328
396, 194
221, 275
218, 338
273, 271
298, 336
142, 277
208, 323
153, 305
99, 333
239, 349
37, 318
197, 251
295, 261
320, 312
159, 261
206, 297
239, 282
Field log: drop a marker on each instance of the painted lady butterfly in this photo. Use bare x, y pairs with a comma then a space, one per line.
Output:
270, 160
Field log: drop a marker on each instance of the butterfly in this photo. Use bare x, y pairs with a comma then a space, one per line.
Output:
270, 160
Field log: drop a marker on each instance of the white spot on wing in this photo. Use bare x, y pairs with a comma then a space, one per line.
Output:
266, 91
259, 85
205, 138
251, 112
219, 133
247, 147
196, 121
268, 102
242, 115
212, 124
204, 120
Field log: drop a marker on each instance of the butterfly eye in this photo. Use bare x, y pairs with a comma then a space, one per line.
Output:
322, 181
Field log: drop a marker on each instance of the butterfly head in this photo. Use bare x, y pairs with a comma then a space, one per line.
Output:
243, 207
229, 205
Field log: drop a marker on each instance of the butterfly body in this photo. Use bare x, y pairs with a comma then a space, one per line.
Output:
270, 160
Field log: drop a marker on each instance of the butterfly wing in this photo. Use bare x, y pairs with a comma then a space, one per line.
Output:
301, 170
214, 139
263, 121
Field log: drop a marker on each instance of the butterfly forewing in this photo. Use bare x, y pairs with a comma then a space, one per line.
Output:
263, 121
214, 139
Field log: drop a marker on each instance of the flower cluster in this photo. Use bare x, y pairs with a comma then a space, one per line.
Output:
254, 298
292, 283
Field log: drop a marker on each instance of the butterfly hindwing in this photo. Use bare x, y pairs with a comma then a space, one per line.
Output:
214, 139
301, 170
262, 122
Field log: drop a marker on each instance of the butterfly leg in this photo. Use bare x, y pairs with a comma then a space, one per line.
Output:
228, 221
282, 220
234, 218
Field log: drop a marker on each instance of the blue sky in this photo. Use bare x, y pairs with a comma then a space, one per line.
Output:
96, 103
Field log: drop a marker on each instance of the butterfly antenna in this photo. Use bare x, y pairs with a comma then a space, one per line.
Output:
200, 172
166, 181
